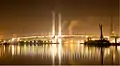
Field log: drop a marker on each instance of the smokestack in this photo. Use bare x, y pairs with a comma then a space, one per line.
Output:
59, 27
111, 26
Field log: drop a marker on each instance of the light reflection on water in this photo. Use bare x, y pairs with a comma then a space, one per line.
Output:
70, 53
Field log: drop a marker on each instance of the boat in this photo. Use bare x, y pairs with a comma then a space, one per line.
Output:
99, 43
6, 44
115, 44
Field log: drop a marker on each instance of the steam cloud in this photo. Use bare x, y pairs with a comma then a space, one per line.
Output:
72, 24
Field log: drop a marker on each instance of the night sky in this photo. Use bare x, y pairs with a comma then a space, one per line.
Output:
30, 17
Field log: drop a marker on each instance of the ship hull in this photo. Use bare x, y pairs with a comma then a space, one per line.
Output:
98, 43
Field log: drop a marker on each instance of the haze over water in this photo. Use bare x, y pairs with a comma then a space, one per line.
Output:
69, 52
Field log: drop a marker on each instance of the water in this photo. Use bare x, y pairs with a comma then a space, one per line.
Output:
70, 52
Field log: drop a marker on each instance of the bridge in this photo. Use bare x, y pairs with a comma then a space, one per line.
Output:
62, 36
48, 38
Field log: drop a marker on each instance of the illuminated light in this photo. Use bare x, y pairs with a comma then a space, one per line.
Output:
60, 50
32, 41
13, 39
53, 52
78, 44
36, 45
4, 41
24, 46
56, 37
18, 50
86, 51
82, 46
118, 48
59, 54
46, 41
106, 36
59, 37
37, 41
112, 40
46, 45
24, 49
81, 41
25, 41
71, 41
28, 41
59, 25
4, 48
93, 39
71, 46
53, 24
86, 36
66, 43
78, 41
54, 40
13, 49
9, 49
9, 40
33, 46
114, 57
107, 52
33, 50
118, 40
18, 39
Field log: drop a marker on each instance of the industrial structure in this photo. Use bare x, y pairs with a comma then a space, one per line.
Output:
58, 34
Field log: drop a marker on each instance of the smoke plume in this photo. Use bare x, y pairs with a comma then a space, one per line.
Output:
72, 24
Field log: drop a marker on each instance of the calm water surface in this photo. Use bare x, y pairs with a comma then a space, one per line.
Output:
69, 52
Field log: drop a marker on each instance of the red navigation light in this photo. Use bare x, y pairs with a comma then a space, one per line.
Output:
59, 37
